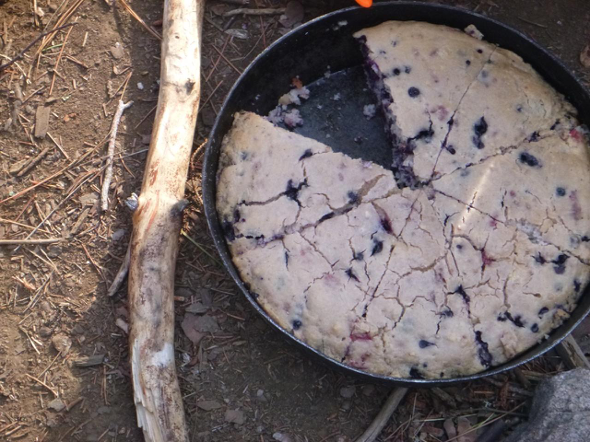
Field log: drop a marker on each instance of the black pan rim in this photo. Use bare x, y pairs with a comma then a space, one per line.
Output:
209, 177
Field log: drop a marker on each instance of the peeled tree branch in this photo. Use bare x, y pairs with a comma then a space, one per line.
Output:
156, 227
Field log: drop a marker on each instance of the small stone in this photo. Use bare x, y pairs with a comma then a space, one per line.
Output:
368, 390
54, 250
560, 410
294, 13
348, 392
56, 404
185, 292
209, 405
235, 417
62, 343
282, 437
45, 332
118, 234
140, 86
104, 410
77, 330
117, 51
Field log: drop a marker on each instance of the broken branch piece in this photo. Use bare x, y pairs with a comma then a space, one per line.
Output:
156, 227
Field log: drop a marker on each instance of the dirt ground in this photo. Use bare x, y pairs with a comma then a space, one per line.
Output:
64, 374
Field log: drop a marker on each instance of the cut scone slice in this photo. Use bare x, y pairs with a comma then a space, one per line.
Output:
542, 188
508, 103
258, 163
278, 275
539, 288
420, 72
273, 182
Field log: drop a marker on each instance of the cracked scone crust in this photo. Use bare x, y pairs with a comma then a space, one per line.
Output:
452, 100
465, 271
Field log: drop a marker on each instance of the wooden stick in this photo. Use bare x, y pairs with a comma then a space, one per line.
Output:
39, 37
18, 242
121, 274
43, 383
572, 354
108, 175
61, 51
250, 11
384, 415
33, 162
156, 227
140, 20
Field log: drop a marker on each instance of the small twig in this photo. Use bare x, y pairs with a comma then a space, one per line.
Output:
108, 175
94, 263
249, 11
121, 274
59, 147
61, 51
19, 242
33, 162
140, 20
384, 415
532, 23
50, 365
76, 61
152, 110
512, 388
31, 44
37, 295
227, 60
485, 423
42, 383
199, 246
211, 94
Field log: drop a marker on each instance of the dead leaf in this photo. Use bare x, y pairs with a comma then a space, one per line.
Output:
585, 57
463, 427
293, 14
209, 405
188, 327
197, 308
235, 417
195, 327
449, 427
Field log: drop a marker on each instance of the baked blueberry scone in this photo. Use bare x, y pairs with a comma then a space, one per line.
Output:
470, 250
453, 100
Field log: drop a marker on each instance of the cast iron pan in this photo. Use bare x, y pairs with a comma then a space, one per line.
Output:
326, 45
